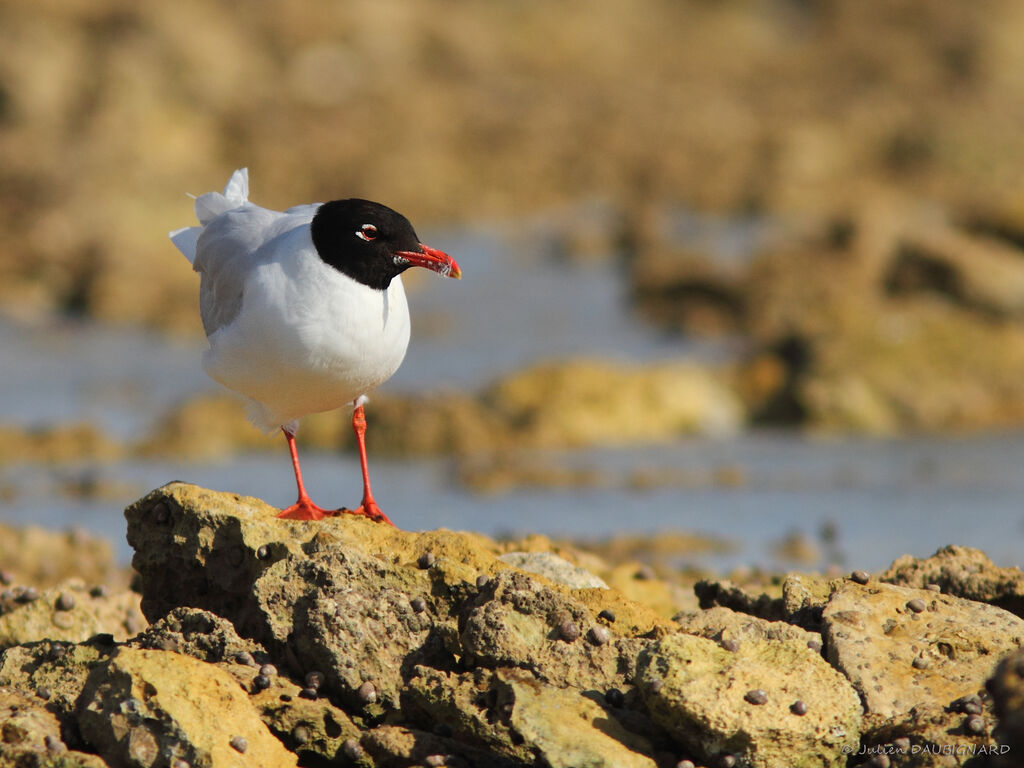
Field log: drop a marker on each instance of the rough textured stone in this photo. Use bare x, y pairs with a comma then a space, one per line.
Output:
555, 568
963, 572
211, 549
931, 737
349, 627
874, 638
568, 730
285, 710
473, 704
804, 598
199, 634
513, 621
695, 689
723, 624
664, 597
390, 746
462, 658
60, 669
480, 708
311, 595
144, 707
30, 736
43, 619
281, 705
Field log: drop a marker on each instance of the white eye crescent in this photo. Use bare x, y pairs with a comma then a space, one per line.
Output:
367, 232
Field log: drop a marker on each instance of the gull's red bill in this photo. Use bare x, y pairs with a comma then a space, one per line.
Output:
432, 259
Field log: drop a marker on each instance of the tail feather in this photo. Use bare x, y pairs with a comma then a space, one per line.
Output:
213, 204
185, 240
210, 206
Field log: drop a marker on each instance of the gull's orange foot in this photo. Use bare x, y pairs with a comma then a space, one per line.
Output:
305, 510
371, 510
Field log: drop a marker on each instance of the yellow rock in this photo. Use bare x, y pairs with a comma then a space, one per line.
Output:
144, 706
569, 730
591, 403
45, 618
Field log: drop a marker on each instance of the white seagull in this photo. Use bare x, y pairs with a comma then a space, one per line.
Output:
304, 309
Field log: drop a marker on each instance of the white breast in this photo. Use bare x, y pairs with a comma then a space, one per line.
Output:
307, 337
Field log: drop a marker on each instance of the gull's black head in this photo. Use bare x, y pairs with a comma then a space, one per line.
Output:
373, 244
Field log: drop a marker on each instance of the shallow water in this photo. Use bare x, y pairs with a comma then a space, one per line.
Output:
877, 498
880, 498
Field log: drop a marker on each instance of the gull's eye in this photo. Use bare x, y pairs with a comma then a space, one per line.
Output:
367, 232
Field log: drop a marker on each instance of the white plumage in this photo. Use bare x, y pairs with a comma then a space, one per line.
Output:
290, 333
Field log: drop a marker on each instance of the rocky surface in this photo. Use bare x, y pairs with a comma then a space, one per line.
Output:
742, 701
345, 642
907, 649
144, 707
963, 572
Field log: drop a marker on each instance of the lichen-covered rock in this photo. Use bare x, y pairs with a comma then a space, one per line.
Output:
306, 722
391, 746
343, 623
723, 625
804, 598
554, 568
566, 729
903, 648
360, 602
199, 634
666, 597
743, 702
356, 643
144, 708
473, 705
209, 550
30, 736
71, 613
55, 673
309, 725
515, 621
498, 710
934, 736
964, 572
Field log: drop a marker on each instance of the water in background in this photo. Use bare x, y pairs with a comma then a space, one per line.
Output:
862, 501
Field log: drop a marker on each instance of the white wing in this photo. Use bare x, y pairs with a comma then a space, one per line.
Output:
225, 256
223, 248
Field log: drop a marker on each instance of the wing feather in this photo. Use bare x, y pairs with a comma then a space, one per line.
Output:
225, 256
229, 249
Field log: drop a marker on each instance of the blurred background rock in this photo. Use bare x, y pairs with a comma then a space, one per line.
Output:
460, 111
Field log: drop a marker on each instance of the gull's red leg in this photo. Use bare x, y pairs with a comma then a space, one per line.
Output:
304, 508
369, 507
